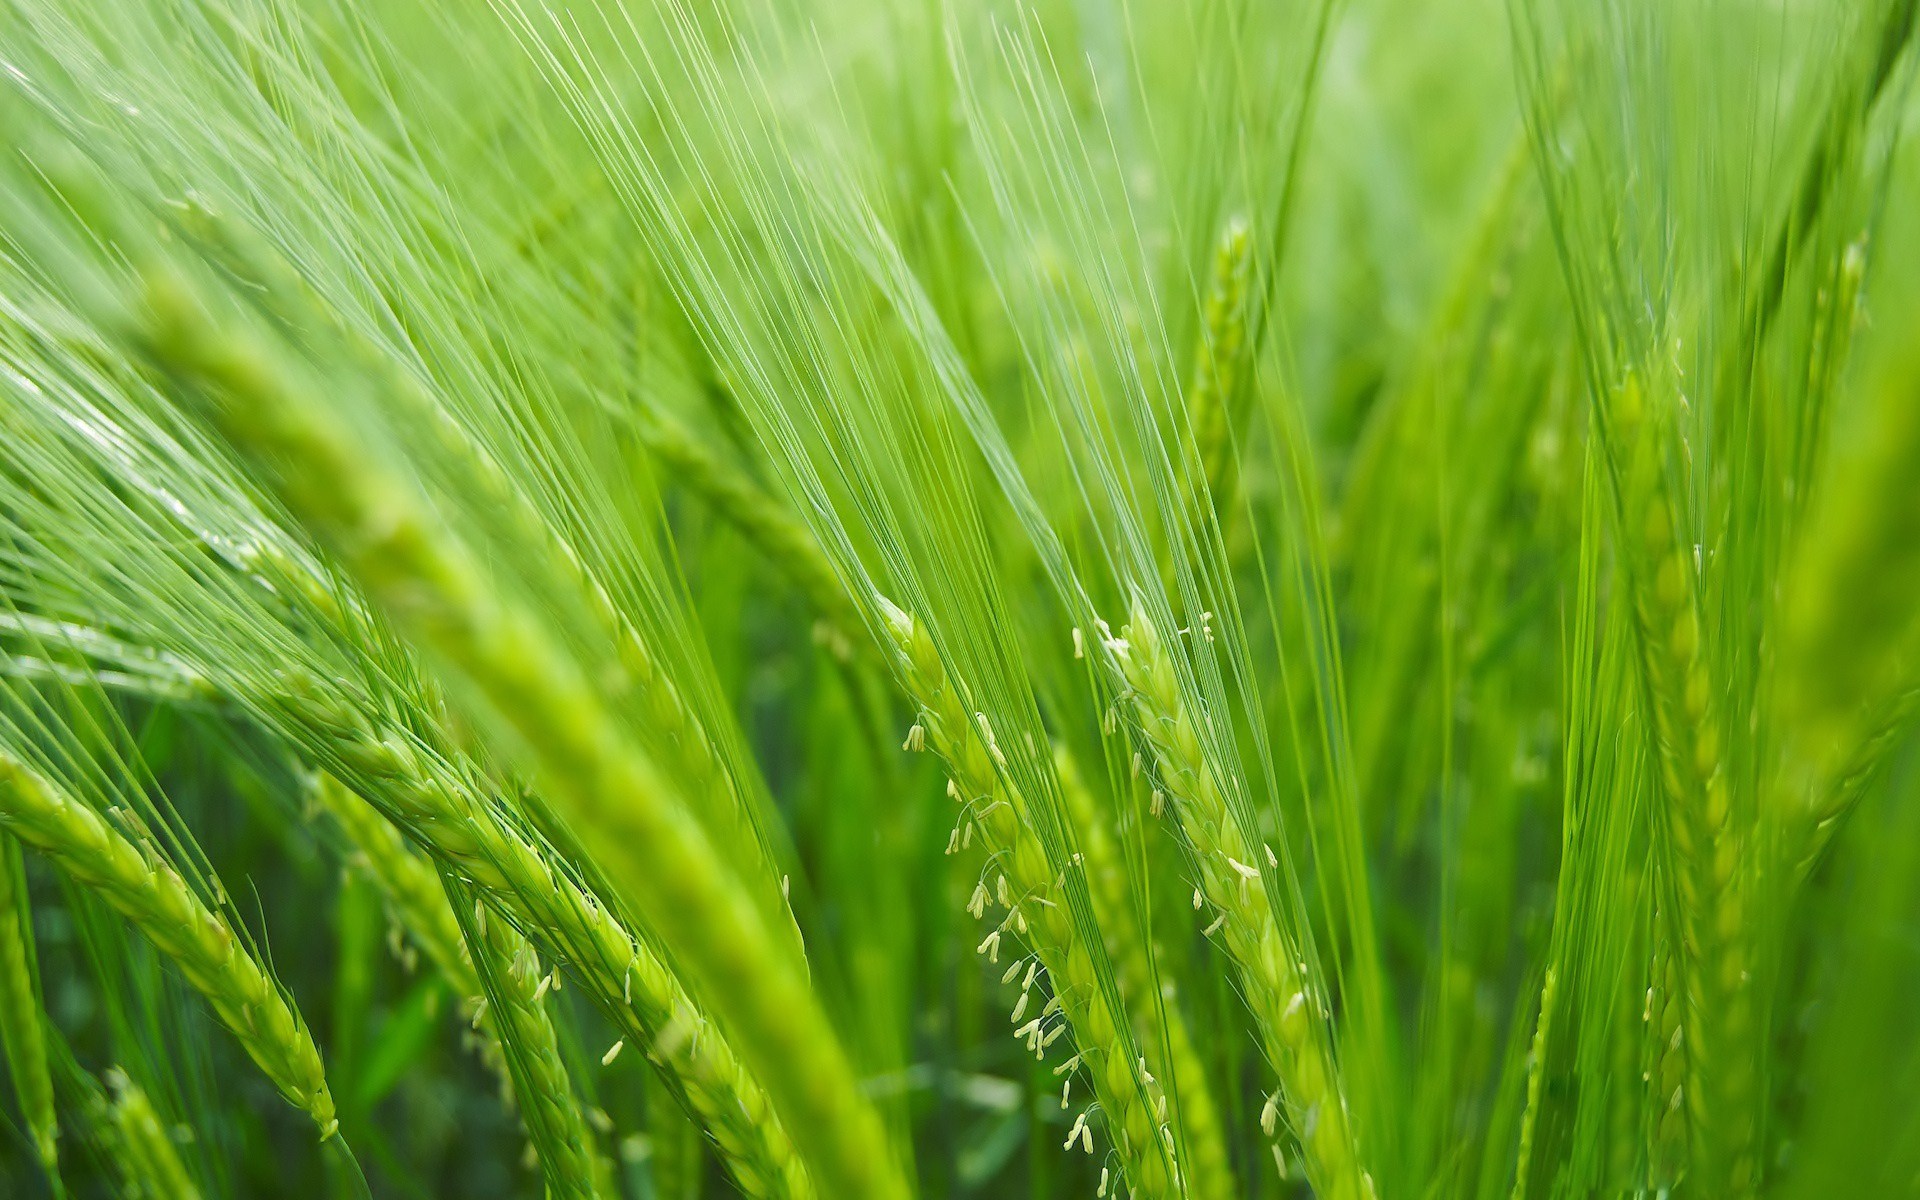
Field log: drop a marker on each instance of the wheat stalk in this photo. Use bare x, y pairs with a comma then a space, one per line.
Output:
151, 894
1036, 910
22, 1019
1287, 1008
1151, 996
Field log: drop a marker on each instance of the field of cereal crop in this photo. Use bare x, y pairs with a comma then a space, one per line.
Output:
951, 599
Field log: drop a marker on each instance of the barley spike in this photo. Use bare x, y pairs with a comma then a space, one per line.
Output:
161, 905
1000, 813
1286, 1006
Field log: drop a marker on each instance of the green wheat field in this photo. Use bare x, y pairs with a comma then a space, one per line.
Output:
960, 599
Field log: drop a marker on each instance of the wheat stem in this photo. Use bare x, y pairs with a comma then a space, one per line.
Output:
153, 896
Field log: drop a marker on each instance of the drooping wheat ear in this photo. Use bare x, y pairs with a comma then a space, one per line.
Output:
149, 1162
515, 988
1213, 403
431, 585
148, 892
1025, 885
23, 1032
1705, 845
785, 542
416, 900
625, 979
1287, 1008
677, 735
1151, 997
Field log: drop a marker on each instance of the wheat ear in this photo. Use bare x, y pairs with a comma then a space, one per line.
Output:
22, 1019
148, 1161
636, 991
153, 896
1537, 1069
1815, 815
1036, 909
1287, 1009
465, 830
679, 737
1849, 656
515, 987
1212, 397
1705, 845
1150, 996
430, 584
